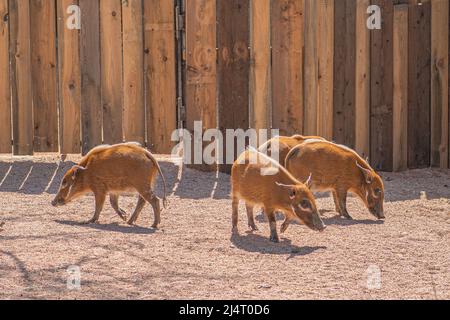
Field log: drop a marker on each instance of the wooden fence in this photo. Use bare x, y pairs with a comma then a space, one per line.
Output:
303, 66
70, 89
314, 67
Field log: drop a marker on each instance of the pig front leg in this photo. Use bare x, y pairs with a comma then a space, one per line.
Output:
114, 200
273, 225
235, 214
285, 225
342, 201
100, 198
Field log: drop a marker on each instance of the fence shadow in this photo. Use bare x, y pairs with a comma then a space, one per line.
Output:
34, 178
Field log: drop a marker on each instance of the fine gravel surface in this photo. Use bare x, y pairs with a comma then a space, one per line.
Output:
195, 256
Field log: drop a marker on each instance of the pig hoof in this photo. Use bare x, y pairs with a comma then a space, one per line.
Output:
155, 226
283, 228
253, 227
274, 239
92, 221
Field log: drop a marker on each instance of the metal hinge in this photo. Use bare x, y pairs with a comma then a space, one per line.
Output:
181, 111
180, 22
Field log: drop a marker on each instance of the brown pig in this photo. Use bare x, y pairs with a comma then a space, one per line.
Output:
114, 170
260, 181
285, 144
338, 169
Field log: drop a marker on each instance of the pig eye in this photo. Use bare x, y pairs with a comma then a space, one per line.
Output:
305, 204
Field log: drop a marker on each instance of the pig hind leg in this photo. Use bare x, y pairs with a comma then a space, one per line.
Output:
137, 211
151, 198
251, 218
114, 199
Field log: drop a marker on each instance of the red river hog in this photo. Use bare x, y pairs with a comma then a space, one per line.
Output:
338, 169
285, 144
260, 181
114, 170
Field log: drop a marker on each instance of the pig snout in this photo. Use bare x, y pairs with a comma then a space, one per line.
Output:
58, 202
318, 223
378, 212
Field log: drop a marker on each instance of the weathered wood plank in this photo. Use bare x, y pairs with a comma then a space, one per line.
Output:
362, 90
160, 73
91, 109
287, 66
381, 113
21, 82
133, 71
419, 86
201, 73
111, 69
344, 72
311, 66
260, 66
44, 78
400, 102
439, 83
69, 81
233, 66
325, 43
5, 94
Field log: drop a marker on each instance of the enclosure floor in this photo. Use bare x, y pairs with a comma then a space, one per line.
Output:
194, 256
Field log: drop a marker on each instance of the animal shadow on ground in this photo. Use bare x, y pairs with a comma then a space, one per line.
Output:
112, 227
253, 242
339, 221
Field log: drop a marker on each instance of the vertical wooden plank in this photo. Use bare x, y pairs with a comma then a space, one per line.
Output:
419, 91
260, 67
400, 100
287, 66
344, 72
22, 94
381, 75
201, 64
5, 94
91, 109
311, 68
133, 71
43, 68
233, 65
111, 68
325, 43
362, 99
439, 83
160, 73
69, 81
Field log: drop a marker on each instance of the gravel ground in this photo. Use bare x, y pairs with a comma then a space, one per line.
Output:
194, 256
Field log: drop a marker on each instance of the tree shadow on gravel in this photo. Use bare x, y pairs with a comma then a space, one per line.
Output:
252, 242
112, 227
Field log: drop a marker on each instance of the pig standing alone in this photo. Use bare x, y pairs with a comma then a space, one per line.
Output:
113, 170
338, 169
261, 181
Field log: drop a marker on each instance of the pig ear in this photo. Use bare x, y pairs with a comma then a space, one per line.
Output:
77, 170
366, 172
308, 182
289, 188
